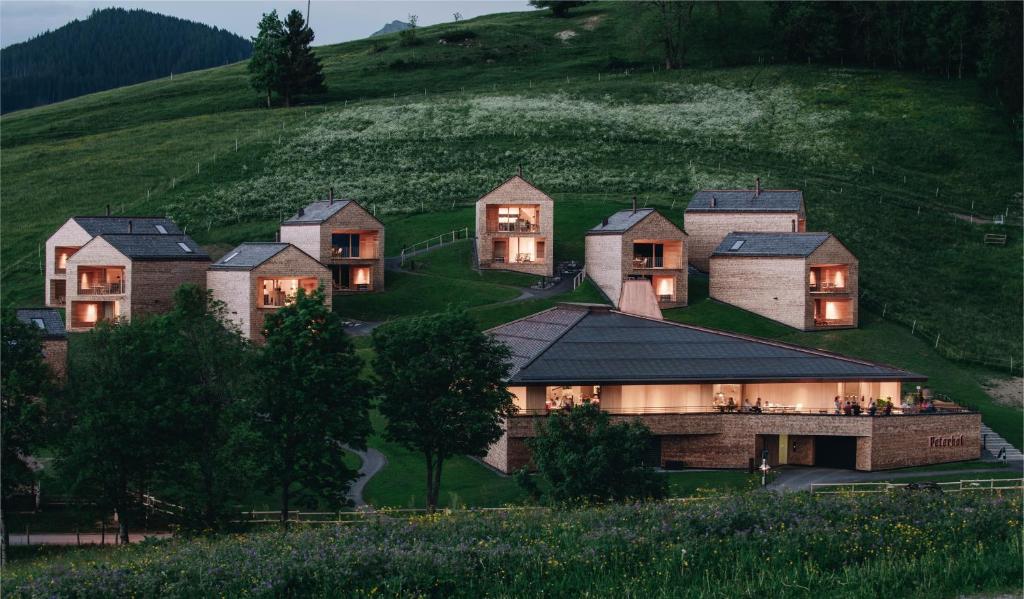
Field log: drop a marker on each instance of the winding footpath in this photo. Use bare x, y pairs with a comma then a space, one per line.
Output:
372, 463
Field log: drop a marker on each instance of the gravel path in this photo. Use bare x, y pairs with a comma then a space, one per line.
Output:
801, 479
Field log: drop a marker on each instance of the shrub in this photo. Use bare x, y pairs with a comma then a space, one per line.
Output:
458, 36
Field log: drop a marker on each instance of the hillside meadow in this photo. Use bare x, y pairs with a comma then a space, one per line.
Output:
748, 545
886, 159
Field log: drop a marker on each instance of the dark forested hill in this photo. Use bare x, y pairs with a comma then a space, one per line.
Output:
113, 47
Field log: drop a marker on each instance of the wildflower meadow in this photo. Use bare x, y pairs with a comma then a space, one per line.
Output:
750, 545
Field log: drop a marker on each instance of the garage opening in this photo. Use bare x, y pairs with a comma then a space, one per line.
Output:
835, 452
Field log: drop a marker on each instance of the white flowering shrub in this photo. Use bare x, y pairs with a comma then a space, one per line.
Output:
430, 153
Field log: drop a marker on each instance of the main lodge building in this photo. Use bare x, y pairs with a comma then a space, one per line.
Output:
680, 379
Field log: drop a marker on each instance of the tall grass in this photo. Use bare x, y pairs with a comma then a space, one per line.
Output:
751, 545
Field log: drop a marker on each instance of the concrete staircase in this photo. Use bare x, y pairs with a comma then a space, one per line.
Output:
993, 443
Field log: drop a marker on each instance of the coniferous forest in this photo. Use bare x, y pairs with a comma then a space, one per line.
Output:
112, 48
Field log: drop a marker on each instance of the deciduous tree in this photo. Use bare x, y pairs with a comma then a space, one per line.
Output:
311, 400
266, 66
581, 455
442, 389
24, 378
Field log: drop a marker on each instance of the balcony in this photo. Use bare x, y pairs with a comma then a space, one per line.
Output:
100, 280
113, 288
666, 254
354, 245
828, 279
513, 219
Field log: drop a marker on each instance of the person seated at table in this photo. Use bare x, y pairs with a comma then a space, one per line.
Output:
757, 406
731, 406
929, 407
847, 409
855, 408
839, 407
872, 408
888, 409
718, 403
746, 405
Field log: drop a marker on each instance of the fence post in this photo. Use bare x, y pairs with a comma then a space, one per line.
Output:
28, 536
937, 335
884, 308
103, 532
913, 328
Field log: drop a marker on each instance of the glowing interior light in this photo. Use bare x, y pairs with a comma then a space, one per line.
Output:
663, 285
62, 260
814, 278
362, 276
840, 280
90, 313
831, 310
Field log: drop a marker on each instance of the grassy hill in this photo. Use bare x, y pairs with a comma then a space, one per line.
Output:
886, 160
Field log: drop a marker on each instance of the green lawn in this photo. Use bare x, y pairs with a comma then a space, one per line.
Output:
456, 262
701, 482
951, 478
968, 465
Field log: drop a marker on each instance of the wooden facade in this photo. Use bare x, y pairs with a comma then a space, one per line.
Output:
349, 241
809, 293
250, 294
653, 249
515, 229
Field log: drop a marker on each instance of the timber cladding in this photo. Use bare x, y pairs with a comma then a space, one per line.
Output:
55, 354
777, 287
707, 229
315, 239
71, 235
714, 440
516, 191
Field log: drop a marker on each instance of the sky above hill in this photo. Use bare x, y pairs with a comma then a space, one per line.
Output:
333, 22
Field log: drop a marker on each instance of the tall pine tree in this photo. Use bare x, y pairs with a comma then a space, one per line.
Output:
303, 73
266, 67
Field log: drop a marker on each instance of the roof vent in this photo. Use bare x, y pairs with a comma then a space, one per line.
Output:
108, 209
634, 203
737, 245
604, 223
714, 202
519, 170
330, 197
757, 187
302, 212
130, 227
184, 248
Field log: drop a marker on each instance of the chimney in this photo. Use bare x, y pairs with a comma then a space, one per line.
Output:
714, 202
108, 209
130, 228
302, 211
634, 203
277, 235
330, 197
519, 170
604, 223
757, 187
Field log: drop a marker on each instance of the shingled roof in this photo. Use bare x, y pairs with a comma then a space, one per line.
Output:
770, 244
596, 345
249, 255
621, 221
156, 247
47, 319
317, 212
747, 200
123, 225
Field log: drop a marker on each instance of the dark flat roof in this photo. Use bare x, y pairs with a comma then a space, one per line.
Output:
119, 225
156, 247
597, 345
770, 244
47, 319
745, 200
249, 255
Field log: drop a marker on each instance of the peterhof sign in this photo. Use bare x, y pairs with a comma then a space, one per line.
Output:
950, 441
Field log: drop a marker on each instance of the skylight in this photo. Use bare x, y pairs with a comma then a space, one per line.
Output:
185, 248
38, 322
229, 258
161, 229
737, 245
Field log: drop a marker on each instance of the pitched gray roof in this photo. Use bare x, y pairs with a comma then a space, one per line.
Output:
317, 212
607, 346
249, 255
621, 221
156, 247
52, 323
744, 200
119, 225
770, 244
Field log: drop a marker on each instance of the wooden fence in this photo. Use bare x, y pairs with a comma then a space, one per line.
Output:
989, 484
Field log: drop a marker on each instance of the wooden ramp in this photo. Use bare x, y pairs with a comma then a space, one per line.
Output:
637, 297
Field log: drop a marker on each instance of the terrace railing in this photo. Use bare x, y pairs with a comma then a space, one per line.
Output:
988, 484
434, 242
769, 410
103, 289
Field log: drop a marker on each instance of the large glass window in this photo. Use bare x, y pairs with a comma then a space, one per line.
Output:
648, 255
345, 245
275, 293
